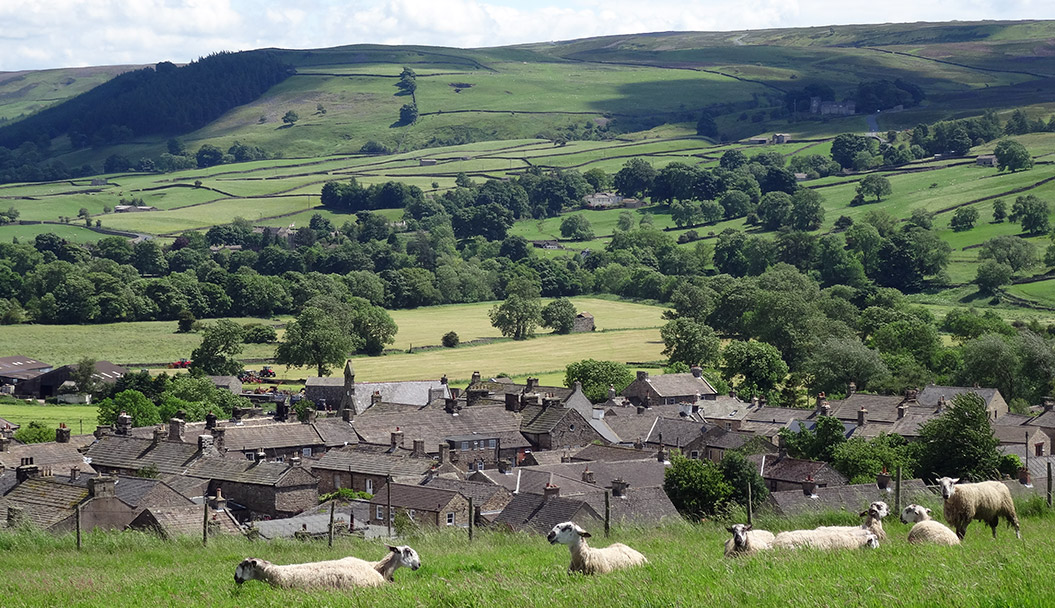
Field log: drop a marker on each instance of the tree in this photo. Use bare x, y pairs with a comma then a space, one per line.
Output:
1012, 155
1015, 251
559, 315
408, 114
220, 343
839, 361
131, 402
290, 117
258, 333
450, 339
83, 375
960, 442
597, 377
818, 443
732, 160
696, 487
807, 209
689, 341
963, 219
576, 227
407, 83
315, 338
999, 210
635, 178
208, 156
35, 432
517, 316
861, 459
706, 126
1032, 213
739, 473
774, 210
874, 185
758, 363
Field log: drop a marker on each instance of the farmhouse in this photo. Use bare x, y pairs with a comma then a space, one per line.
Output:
47, 384
365, 471
421, 504
669, 389
16, 368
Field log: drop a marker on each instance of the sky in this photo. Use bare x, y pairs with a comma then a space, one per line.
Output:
42, 34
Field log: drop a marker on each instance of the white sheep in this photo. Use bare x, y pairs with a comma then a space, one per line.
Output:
986, 501
337, 574
854, 538
873, 520
746, 541
588, 560
926, 530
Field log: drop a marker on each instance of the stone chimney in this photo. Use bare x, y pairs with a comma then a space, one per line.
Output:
445, 453
1048, 402
821, 398
347, 414
160, 434
375, 398
551, 401
218, 502
261, 456
826, 409
550, 491
124, 424
642, 376
901, 411
697, 371
640, 410
294, 461
619, 488
27, 470
62, 434
206, 445
219, 439
851, 389
503, 467
862, 416
102, 487
663, 455
396, 439
102, 430
513, 402
419, 449
5, 443
587, 475
176, 429
210, 421
16, 516
282, 411
754, 401
611, 391
474, 395
475, 378
532, 385
808, 487
941, 405
75, 472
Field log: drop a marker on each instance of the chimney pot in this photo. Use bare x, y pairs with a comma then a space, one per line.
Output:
642, 376
397, 438
697, 371
99, 487
901, 411
587, 476
210, 421
611, 391
619, 488
218, 439
75, 472
475, 378
862, 416
550, 491
445, 453
532, 385
375, 398
419, 449
443, 380
62, 434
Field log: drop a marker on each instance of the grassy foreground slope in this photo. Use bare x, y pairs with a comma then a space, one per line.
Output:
502, 569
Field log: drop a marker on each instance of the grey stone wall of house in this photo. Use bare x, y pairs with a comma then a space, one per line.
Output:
571, 431
104, 513
459, 505
331, 481
270, 501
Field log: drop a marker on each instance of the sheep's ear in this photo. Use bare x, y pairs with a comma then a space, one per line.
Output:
862, 513
747, 527
729, 529
928, 511
584, 534
956, 480
393, 549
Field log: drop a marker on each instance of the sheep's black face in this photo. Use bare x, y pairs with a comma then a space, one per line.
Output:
244, 571
552, 537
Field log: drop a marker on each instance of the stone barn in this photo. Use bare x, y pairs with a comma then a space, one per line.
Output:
583, 322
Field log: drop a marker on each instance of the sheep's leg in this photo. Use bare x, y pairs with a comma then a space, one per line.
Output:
961, 531
993, 524
1014, 522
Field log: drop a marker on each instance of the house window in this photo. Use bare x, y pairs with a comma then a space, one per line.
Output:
465, 445
670, 400
369, 486
450, 519
306, 452
249, 456
491, 443
337, 481
380, 512
1039, 449
695, 454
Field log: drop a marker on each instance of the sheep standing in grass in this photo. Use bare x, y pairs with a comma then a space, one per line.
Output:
746, 541
854, 538
873, 520
987, 501
926, 529
336, 574
586, 559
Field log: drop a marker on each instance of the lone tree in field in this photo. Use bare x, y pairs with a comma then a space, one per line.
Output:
220, 343
517, 317
315, 338
1032, 213
874, 185
408, 114
1012, 155
576, 227
290, 117
559, 315
963, 219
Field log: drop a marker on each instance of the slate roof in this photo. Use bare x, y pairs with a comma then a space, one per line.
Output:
238, 470
1012, 420
638, 473
280, 435
792, 470
315, 525
132, 453
535, 513
59, 457
189, 487
673, 385
532, 480
184, 521
881, 408
611, 453
132, 490
434, 425
909, 425
675, 432
335, 432
1045, 420
779, 414
479, 491
632, 426
930, 394
420, 498
368, 463
539, 420
410, 392
45, 500
1014, 434
638, 506
727, 440
851, 498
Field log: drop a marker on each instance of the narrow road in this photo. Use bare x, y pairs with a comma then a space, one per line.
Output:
873, 125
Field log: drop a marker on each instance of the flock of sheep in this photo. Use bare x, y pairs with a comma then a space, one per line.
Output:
986, 501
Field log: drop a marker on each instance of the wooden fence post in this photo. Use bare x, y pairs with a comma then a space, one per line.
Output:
607, 514
750, 511
471, 518
205, 522
78, 512
388, 514
897, 492
333, 505
1049, 484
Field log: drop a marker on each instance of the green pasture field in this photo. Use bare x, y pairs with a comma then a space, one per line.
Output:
685, 567
81, 418
28, 92
1041, 292
75, 232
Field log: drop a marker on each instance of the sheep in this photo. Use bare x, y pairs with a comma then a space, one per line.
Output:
338, 573
587, 560
873, 520
926, 529
854, 538
746, 541
986, 501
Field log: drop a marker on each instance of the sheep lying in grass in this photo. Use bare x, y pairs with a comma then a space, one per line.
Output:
873, 520
586, 559
987, 501
926, 529
746, 541
337, 574
854, 538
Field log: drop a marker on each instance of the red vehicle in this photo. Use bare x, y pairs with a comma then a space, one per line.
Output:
181, 364
267, 372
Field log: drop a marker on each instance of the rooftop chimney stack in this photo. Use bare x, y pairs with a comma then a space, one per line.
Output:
851, 389
176, 429
4, 443
124, 424
443, 380
941, 404
532, 385
697, 371
550, 491
419, 449
475, 378
619, 488
102, 487
445, 453
396, 440
1048, 402
62, 434
809, 486
27, 470
375, 398
210, 421
261, 455
862, 416
219, 502
901, 411
16, 516
826, 409
160, 434
611, 391
75, 472
503, 467
642, 376
219, 439
587, 476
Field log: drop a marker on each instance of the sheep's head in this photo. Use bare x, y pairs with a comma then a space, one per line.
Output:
406, 556
878, 510
567, 533
739, 532
948, 486
872, 542
914, 513
248, 570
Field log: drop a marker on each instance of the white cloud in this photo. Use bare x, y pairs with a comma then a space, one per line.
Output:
56, 33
